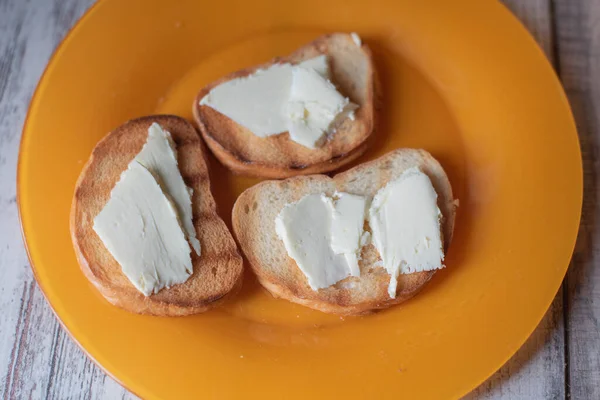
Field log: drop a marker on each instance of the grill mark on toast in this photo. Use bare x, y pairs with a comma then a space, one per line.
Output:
183, 142
196, 180
298, 166
93, 189
241, 158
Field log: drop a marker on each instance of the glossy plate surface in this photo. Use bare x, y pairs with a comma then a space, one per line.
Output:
462, 79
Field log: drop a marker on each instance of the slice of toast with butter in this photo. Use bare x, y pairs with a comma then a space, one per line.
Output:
144, 222
310, 112
366, 239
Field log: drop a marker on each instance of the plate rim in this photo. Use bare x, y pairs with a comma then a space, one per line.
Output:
510, 16
19, 178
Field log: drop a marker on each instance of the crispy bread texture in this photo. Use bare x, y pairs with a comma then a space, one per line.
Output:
278, 156
254, 215
217, 272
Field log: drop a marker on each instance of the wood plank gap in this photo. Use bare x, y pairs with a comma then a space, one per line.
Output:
15, 349
555, 59
554, 45
53, 359
24, 325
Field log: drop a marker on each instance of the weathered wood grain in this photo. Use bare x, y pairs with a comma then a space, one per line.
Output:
37, 358
578, 44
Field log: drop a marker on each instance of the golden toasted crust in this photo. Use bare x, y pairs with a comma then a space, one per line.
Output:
279, 157
254, 216
217, 272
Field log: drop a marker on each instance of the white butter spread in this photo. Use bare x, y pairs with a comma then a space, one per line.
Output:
348, 217
356, 39
254, 101
319, 64
140, 228
276, 100
325, 235
159, 156
305, 229
405, 223
314, 105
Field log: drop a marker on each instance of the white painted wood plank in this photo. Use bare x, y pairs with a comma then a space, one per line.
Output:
47, 358
37, 359
537, 370
578, 35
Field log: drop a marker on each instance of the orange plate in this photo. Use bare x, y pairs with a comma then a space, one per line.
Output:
462, 79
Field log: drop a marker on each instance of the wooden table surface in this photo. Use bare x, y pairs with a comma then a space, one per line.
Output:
560, 360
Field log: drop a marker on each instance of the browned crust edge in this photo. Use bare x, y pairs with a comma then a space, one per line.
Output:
140, 304
243, 166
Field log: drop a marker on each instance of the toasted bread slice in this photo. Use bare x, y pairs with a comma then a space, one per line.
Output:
217, 272
254, 216
278, 156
